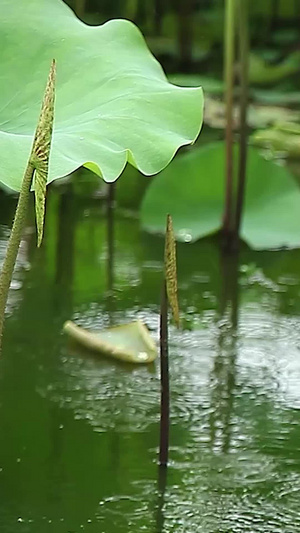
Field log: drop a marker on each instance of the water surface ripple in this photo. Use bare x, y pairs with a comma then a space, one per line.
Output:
80, 433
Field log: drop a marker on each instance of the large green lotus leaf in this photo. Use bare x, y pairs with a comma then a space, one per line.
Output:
113, 101
210, 85
192, 191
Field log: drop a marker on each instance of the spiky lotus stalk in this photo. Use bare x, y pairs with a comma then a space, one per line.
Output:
169, 294
37, 168
171, 270
41, 151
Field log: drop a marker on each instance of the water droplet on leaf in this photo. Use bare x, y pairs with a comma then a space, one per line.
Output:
142, 356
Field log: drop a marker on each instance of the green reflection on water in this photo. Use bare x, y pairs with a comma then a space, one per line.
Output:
79, 435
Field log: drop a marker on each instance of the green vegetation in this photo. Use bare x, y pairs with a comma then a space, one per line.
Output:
271, 196
82, 431
114, 104
271, 204
37, 172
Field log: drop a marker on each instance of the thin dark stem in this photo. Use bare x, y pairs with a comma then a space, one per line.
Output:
229, 82
274, 14
110, 248
185, 37
164, 380
244, 58
159, 9
80, 8
14, 242
110, 235
297, 10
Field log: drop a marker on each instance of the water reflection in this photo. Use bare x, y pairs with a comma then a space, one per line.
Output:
223, 375
7, 206
161, 490
67, 216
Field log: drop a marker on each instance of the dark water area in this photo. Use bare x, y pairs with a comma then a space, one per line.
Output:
79, 443
187, 35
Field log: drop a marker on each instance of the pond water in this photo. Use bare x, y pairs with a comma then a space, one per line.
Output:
79, 435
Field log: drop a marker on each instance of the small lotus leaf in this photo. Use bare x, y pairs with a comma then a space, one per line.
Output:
192, 191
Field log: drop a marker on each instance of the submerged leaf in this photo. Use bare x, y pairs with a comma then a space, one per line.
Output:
277, 140
113, 102
258, 116
171, 270
192, 189
41, 151
276, 97
263, 73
